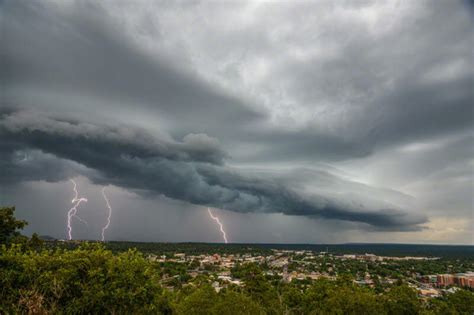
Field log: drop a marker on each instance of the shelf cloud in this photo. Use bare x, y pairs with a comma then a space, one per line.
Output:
191, 170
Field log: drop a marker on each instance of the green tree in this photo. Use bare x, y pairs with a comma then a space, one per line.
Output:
438, 306
35, 242
352, 300
402, 300
261, 291
9, 224
316, 296
233, 303
462, 301
293, 299
87, 280
200, 302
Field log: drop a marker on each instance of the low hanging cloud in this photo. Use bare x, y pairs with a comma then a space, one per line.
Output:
45, 132
38, 147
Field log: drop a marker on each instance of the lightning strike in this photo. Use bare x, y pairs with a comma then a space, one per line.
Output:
109, 214
73, 211
219, 223
81, 219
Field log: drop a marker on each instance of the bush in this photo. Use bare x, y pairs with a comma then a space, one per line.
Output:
86, 280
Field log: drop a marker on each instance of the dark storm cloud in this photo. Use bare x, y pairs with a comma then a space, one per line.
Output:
82, 51
124, 159
18, 165
410, 113
424, 112
359, 102
378, 88
56, 135
368, 87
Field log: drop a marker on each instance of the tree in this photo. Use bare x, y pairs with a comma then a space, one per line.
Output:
293, 299
233, 303
35, 242
462, 301
261, 291
9, 224
402, 300
86, 280
200, 301
354, 300
438, 306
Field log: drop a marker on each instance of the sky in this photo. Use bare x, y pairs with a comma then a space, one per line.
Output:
294, 121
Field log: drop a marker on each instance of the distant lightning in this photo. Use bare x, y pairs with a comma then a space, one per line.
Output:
109, 215
81, 219
219, 223
73, 211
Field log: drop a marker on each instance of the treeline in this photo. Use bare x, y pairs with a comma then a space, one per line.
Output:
170, 249
447, 252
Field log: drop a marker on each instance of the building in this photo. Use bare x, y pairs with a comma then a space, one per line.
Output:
464, 279
445, 280
429, 293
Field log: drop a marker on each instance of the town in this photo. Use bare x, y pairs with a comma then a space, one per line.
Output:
304, 266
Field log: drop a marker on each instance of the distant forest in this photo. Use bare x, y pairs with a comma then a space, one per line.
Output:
446, 251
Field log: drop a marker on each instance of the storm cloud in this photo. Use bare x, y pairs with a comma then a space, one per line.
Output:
186, 171
358, 113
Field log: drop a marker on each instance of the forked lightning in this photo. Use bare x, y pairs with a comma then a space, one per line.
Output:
219, 223
109, 214
73, 211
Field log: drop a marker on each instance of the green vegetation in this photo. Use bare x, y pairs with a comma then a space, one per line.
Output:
9, 224
92, 279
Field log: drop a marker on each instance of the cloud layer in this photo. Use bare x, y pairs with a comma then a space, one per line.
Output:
305, 108
187, 171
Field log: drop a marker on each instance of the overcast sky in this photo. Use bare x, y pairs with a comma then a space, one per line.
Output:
295, 121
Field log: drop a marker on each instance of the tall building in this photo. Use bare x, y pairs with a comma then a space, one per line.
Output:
445, 280
465, 279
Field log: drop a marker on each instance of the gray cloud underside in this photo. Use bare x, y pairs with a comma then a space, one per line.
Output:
89, 57
358, 102
135, 160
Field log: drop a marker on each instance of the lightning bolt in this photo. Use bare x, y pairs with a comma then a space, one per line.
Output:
81, 219
109, 214
73, 211
219, 223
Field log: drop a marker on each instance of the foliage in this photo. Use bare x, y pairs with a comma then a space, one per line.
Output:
90, 278
402, 300
462, 301
9, 224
